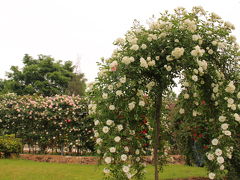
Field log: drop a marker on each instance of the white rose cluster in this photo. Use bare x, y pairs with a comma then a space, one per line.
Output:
190, 25
202, 65
237, 117
181, 111
177, 52
211, 175
196, 37
131, 105
230, 88
92, 108
113, 64
197, 51
143, 63
127, 60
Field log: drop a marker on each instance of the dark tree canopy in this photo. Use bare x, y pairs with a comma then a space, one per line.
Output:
43, 75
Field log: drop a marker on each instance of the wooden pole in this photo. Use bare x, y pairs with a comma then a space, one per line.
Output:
158, 106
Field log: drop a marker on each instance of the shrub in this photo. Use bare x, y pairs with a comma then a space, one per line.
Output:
10, 145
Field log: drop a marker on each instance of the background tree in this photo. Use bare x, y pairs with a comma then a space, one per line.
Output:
43, 76
77, 85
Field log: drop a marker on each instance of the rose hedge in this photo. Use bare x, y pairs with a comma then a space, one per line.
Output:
50, 122
198, 48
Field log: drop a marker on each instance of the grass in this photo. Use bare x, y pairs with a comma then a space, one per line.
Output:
15, 169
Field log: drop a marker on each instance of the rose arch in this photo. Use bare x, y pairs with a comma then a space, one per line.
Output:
197, 48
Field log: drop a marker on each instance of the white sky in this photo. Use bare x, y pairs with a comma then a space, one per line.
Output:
83, 29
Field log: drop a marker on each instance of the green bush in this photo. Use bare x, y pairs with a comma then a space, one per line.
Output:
10, 145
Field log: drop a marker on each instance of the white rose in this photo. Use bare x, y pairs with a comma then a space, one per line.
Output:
196, 37
108, 160
123, 157
168, 68
215, 89
99, 141
211, 175
169, 58
123, 79
195, 71
215, 142
134, 47
197, 51
131, 105
104, 95
238, 95
126, 60
120, 127
233, 107
194, 113
119, 93
210, 156
117, 139
222, 118
143, 63
214, 43
230, 101
105, 129
96, 134
224, 126
109, 122
96, 122
112, 149
120, 41
222, 167
143, 46
218, 152
110, 87
126, 149
210, 51
151, 63
150, 85
141, 103
137, 152
220, 159
106, 171
177, 52
237, 117
194, 78
111, 107
181, 111
230, 88
125, 169
186, 96
227, 133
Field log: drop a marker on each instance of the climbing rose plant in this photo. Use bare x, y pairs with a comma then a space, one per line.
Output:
50, 122
197, 47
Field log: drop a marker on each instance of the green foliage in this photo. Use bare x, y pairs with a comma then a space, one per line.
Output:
77, 85
42, 76
10, 145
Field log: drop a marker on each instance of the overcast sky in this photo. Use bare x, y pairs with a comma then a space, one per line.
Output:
83, 29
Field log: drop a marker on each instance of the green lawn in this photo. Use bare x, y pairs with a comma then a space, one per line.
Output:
14, 169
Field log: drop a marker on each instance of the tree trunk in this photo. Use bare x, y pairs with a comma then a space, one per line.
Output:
62, 150
158, 106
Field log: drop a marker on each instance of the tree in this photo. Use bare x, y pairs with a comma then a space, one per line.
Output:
77, 85
43, 76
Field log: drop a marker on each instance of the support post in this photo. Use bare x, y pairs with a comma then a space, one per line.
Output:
158, 106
